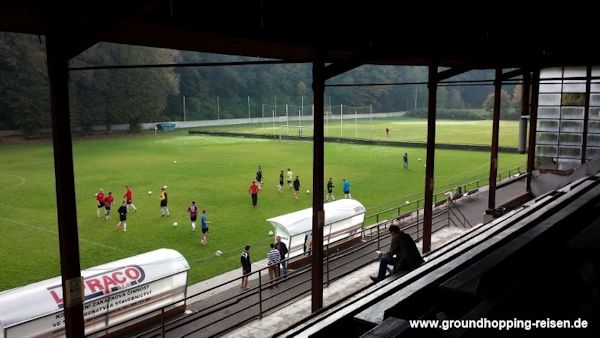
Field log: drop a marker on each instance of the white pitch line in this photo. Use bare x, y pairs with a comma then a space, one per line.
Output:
17, 176
56, 233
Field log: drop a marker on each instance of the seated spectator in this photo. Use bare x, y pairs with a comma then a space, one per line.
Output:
403, 247
450, 195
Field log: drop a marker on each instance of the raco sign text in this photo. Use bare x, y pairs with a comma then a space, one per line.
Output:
103, 284
114, 292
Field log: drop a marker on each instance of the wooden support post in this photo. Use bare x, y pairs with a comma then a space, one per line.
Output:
495, 130
430, 160
318, 218
535, 88
68, 238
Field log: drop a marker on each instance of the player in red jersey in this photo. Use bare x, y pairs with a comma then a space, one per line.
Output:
108, 202
99, 201
253, 190
129, 198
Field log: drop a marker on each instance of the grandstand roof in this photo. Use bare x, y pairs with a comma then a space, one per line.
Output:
375, 32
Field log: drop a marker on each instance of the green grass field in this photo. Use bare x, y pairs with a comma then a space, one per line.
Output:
215, 172
401, 129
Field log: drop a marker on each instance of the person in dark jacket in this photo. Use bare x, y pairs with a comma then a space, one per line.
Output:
246, 266
403, 254
283, 250
330, 191
122, 216
296, 187
259, 177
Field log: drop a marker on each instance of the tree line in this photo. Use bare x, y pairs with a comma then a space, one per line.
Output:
103, 97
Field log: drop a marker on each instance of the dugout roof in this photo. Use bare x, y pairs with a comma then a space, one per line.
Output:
300, 222
365, 32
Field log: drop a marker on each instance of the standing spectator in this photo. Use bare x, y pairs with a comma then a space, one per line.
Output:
290, 177
99, 201
204, 225
346, 187
296, 187
253, 190
405, 160
108, 202
193, 212
330, 190
273, 262
307, 243
282, 248
280, 181
164, 201
246, 266
129, 198
122, 217
259, 177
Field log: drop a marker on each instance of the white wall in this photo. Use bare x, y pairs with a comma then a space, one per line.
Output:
223, 122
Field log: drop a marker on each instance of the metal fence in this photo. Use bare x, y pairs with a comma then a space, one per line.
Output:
223, 307
467, 189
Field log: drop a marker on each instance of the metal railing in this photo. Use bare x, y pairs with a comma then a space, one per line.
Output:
219, 305
262, 297
471, 186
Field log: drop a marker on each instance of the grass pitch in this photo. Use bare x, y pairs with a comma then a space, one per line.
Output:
213, 171
400, 129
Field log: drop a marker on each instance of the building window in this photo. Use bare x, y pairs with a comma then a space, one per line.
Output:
561, 111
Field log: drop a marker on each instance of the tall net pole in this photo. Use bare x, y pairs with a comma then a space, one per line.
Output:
341, 120
371, 115
326, 121
355, 126
301, 106
248, 108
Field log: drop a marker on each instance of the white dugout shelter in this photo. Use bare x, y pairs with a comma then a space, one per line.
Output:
114, 292
343, 219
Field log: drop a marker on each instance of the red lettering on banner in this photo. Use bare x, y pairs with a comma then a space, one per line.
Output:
58, 299
132, 273
94, 285
120, 280
104, 284
107, 282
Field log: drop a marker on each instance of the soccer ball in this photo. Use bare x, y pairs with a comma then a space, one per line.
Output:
270, 233
419, 158
218, 253
407, 202
174, 161
149, 192
308, 191
175, 224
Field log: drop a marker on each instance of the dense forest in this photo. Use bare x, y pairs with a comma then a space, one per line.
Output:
131, 96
